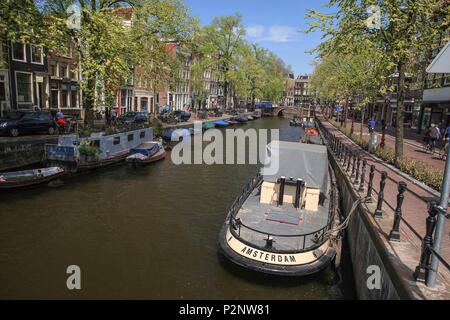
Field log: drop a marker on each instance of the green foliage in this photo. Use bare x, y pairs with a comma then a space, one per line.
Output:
158, 129
406, 31
90, 151
420, 171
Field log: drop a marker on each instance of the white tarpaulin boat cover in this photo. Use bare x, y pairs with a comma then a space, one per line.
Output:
308, 162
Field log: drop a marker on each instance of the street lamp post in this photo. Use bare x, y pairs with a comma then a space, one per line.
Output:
441, 64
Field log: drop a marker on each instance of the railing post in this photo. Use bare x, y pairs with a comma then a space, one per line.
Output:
370, 187
344, 162
354, 165
421, 273
363, 176
339, 150
349, 161
358, 169
379, 211
395, 233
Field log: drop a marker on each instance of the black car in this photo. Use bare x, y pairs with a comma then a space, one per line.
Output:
20, 123
134, 117
182, 116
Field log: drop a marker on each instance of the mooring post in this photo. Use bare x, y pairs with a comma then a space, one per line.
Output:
370, 186
395, 233
421, 273
281, 195
379, 211
363, 176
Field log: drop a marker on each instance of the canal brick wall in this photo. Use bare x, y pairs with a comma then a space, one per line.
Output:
23, 151
365, 247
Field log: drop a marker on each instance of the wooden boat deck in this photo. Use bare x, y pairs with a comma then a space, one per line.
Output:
258, 216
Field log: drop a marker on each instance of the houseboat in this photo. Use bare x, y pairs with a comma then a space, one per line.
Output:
77, 154
281, 222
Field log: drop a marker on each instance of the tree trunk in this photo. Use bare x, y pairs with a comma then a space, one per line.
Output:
399, 129
363, 115
225, 93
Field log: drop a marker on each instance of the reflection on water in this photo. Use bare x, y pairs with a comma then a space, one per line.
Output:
148, 233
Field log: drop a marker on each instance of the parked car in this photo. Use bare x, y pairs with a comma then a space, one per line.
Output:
20, 123
182, 116
134, 117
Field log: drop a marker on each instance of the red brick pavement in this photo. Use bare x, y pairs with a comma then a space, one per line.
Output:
412, 146
415, 204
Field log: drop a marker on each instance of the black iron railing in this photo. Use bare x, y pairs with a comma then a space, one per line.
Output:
306, 242
351, 153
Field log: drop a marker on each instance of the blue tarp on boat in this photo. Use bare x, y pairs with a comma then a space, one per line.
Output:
221, 123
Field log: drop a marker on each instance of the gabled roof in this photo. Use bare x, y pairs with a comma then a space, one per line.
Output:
441, 64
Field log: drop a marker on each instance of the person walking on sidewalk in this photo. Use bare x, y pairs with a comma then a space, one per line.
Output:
435, 135
446, 140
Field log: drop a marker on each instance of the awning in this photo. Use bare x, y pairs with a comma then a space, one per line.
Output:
441, 64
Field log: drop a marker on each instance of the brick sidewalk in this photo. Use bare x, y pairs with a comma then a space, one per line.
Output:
412, 146
414, 208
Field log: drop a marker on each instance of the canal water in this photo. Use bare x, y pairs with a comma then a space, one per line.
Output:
148, 233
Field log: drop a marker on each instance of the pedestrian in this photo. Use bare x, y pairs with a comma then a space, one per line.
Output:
372, 125
59, 114
113, 115
108, 116
446, 140
435, 135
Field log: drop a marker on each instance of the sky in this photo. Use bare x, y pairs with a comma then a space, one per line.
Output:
273, 24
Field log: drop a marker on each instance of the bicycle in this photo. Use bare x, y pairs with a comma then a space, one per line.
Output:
444, 151
428, 146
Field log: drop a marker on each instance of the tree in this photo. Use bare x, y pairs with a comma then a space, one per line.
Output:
110, 51
221, 42
404, 29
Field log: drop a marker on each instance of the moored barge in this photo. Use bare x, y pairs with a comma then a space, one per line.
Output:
281, 223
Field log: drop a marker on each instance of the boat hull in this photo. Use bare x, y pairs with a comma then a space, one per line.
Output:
293, 265
9, 185
142, 162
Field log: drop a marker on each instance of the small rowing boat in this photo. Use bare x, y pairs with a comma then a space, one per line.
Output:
208, 125
222, 124
147, 153
27, 178
241, 119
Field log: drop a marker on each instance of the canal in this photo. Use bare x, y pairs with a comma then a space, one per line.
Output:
148, 233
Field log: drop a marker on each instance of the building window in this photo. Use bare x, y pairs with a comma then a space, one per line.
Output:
54, 92
24, 88
53, 69
116, 141
37, 55
64, 96
73, 97
18, 52
63, 71
123, 98
130, 137
73, 74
